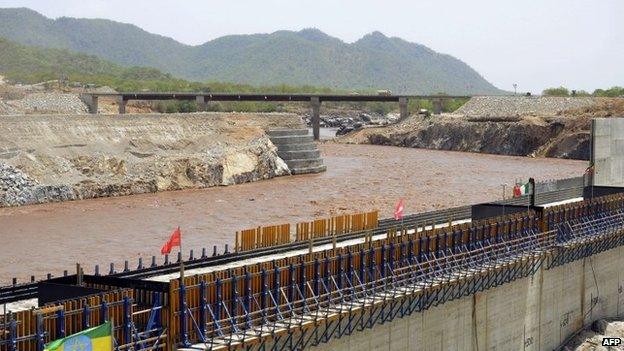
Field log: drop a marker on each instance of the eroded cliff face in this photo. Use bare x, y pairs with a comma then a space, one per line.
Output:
507, 138
57, 158
564, 134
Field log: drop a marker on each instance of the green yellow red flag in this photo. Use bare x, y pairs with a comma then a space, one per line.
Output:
98, 338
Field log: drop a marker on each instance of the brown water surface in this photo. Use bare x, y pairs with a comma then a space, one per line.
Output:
53, 237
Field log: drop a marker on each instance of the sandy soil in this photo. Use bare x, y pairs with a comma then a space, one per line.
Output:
52, 237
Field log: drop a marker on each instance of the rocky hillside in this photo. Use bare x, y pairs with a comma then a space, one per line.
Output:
552, 127
307, 57
56, 158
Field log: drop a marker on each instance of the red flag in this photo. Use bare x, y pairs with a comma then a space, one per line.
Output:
516, 191
590, 169
398, 210
174, 240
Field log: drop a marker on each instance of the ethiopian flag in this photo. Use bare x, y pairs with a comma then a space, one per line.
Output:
93, 339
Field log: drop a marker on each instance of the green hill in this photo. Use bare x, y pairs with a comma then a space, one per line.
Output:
307, 57
30, 64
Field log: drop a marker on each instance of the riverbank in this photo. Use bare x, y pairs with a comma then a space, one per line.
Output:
519, 126
50, 158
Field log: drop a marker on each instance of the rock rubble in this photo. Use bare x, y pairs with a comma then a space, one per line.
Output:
513, 106
41, 103
17, 188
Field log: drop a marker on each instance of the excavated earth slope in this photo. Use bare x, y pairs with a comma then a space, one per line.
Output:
47, 158
547, 127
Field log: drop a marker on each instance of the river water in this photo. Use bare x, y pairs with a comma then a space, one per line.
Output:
52, 237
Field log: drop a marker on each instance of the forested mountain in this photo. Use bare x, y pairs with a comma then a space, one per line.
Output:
306, 57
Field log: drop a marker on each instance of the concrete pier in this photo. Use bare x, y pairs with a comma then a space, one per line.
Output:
315, 105
404, 113
200, 100
437, 106
122, 104
91, 101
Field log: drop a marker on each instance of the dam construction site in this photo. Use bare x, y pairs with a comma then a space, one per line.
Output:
241, 180
531, 270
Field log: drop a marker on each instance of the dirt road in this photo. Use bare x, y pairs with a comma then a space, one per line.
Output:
52, 237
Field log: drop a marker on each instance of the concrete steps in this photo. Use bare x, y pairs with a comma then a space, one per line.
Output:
298, 150
287, 132
291, 139
296, 147
299, 154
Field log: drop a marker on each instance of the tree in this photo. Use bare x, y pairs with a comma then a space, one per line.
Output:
561, 91
611, 92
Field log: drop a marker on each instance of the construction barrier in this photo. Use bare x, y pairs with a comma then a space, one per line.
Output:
136, 316
230, 292
337, 225
225, 300
65, 318
274, 235
567, 212
260, 237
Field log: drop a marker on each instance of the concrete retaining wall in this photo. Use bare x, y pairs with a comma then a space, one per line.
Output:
608, 151
534, 313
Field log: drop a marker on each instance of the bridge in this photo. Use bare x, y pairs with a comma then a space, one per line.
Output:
314, 100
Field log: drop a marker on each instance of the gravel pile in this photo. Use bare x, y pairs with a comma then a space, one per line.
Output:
506, 106
104, 90
49, 103
6, 109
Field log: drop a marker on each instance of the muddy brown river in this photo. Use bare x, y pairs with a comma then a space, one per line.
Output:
53, 237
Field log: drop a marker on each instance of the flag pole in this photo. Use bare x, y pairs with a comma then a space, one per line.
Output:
181, 259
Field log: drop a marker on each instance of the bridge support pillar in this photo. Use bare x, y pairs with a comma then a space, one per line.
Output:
91, 101
122, 104
201, 103
437, 106
93, 108
315, 104
404, 113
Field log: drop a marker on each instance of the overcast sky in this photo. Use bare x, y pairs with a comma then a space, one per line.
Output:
534, 43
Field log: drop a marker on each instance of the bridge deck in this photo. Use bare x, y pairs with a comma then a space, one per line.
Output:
267, 96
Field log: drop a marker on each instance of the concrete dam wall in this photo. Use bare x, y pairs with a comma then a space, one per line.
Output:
534, 313
47, 158
608, 151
